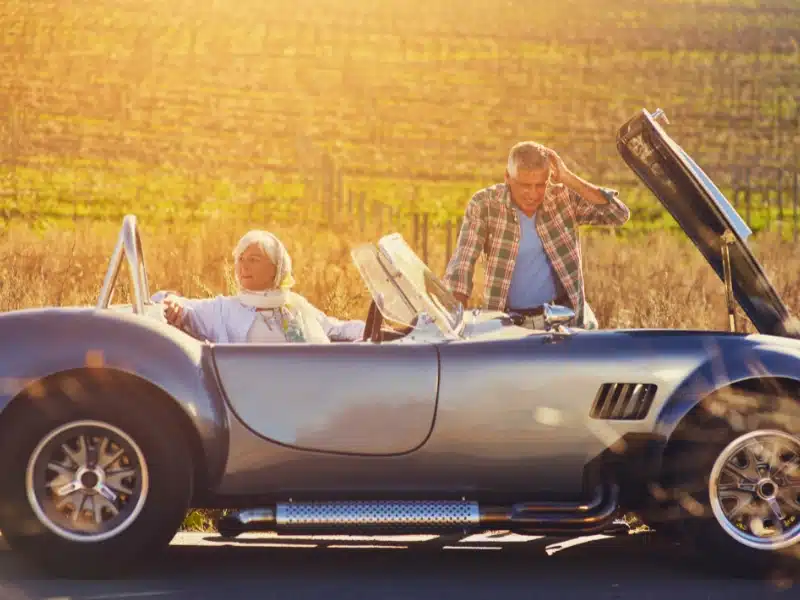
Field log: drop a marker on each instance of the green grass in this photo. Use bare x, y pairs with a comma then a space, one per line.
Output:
85, 189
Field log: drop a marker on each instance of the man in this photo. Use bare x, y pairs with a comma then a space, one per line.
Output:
527, 228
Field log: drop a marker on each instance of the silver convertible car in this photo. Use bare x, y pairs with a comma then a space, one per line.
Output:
114, 423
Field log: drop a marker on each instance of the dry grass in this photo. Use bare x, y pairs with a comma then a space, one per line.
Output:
652, 280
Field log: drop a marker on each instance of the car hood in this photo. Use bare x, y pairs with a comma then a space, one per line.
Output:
704, 214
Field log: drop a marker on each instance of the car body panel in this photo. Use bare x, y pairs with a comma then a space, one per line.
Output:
56, 340
344, 398
731, 360
513, 416
705, 215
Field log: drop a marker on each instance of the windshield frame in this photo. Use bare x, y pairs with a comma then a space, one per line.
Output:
404, 269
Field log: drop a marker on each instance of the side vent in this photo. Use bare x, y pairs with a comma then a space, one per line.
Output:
623, 401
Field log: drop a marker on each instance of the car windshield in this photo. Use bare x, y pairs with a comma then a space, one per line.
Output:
403, 287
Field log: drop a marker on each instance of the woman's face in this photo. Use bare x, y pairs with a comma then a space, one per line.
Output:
255, 270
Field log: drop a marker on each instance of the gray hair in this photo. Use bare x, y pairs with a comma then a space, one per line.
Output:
272, 247
528, 156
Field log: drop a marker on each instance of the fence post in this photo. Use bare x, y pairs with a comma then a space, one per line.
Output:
735, 186
449, 243
378, 208
780, 201
747, 197
340, 192
794, 203
425, 238
361, 211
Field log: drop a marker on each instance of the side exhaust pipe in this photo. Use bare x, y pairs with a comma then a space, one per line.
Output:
378, 516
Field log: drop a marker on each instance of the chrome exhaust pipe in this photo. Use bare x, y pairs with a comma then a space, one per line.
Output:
420, 516
249, 519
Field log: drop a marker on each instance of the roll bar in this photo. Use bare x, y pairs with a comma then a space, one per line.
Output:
129, 246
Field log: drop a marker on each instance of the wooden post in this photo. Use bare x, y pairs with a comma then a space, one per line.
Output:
748, 197
340, 193
362, 197
449, 240
780, 201
425, 238
794, 203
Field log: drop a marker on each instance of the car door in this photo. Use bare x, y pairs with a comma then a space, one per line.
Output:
351, 398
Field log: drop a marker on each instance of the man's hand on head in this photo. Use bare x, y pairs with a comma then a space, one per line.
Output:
559, 173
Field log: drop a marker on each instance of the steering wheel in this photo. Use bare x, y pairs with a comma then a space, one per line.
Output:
372, 326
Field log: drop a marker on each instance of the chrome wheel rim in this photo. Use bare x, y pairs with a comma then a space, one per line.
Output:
755, 489
87, 481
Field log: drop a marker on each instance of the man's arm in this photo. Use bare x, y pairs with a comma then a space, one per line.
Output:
611, 211
594, 205
471, 239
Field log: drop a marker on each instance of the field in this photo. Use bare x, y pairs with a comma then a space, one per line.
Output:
342, 120
190, 108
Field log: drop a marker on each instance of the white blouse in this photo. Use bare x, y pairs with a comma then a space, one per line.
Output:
225, 320
266, 328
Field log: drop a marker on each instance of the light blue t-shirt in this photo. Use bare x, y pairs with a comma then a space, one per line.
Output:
532, 283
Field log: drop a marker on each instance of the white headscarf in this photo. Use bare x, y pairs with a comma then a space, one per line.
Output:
279, 296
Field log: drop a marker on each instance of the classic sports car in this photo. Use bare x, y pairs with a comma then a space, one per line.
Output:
113, 423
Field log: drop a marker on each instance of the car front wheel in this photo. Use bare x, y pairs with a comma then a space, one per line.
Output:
89, 486
754, 490
738, 492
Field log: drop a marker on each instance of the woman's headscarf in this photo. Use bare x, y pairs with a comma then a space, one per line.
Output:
280, 296
276, 251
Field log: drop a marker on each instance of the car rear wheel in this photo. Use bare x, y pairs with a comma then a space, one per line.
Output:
89, 486
737, 491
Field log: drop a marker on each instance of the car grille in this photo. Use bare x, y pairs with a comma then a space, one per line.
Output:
623, 401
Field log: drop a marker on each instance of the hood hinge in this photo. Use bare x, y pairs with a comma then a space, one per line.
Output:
726, 239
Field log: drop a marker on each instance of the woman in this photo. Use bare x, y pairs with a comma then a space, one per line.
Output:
265, 310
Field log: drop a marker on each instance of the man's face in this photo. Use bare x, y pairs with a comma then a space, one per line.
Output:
255, 270
528, 188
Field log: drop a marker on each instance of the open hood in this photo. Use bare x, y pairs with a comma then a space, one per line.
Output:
706, 216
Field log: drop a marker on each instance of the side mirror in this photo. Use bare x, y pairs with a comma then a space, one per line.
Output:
556, 316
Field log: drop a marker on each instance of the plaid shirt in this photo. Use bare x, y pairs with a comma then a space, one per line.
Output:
491, 227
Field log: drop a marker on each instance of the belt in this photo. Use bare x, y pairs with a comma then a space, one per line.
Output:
537, 310
535, 322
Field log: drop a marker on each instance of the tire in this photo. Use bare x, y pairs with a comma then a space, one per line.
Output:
716, 508
134, 489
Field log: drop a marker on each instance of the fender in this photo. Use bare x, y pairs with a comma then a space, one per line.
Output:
741, 359
759, 357
42, 342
